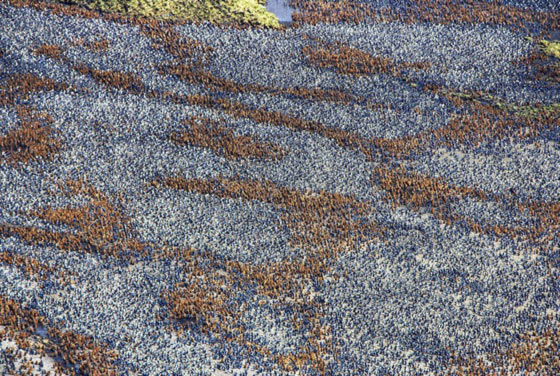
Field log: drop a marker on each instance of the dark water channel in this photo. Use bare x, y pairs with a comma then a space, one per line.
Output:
281, 10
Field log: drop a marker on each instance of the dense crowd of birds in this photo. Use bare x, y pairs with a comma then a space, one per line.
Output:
371, 190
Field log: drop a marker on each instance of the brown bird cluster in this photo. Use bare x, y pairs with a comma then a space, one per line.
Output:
31, 140
541, 67
29, 265
94, 46
204, 299
213, 135
98, 227
195, 74
18, 86
418, 191
82, 351
399, 147
54, 8
115, 79
52, 51
69, 349
352, 61
474, 11
419, 11
19, 324
345, 59
182, 48
536, 353
132, 83
321, 224
545, 230
497, 121
314, 12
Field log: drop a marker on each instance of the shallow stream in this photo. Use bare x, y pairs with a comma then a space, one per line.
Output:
281, 9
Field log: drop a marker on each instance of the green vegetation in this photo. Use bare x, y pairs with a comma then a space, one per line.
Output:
250, 12
550, 48
532, 111
549, 64
527, 111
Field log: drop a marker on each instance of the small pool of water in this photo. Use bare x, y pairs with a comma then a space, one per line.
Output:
281, 10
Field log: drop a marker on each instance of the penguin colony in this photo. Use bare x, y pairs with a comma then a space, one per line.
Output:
371, 190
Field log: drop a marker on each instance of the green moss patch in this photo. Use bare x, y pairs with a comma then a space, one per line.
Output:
533, 111
250, 12
526, 111
550, 48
